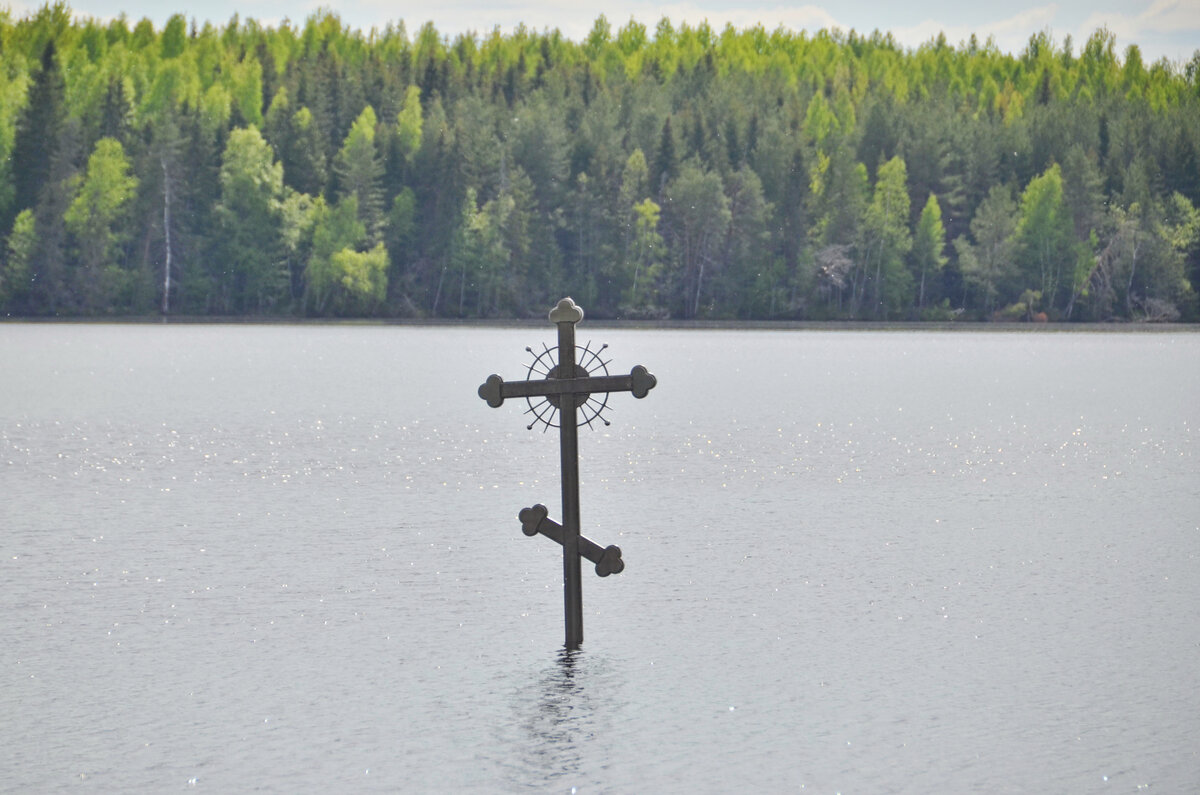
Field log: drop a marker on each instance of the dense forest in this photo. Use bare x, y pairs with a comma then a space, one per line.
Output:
679, 172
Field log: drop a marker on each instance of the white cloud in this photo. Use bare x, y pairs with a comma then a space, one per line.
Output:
17, 8
1011, 33
1162, 17
1167, 28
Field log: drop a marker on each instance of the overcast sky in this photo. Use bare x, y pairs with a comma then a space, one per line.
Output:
1169, 28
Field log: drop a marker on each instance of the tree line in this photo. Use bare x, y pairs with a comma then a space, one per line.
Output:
680, 172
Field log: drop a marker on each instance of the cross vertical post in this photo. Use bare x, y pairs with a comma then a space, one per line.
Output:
568, 389
569, 454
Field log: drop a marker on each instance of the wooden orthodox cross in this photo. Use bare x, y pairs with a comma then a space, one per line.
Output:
568, 388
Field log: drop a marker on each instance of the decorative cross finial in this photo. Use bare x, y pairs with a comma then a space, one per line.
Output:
566, 388
567, 311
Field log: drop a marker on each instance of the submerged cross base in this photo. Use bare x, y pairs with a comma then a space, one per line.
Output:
567, 395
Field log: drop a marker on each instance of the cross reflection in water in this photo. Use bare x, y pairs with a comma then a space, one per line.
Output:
570, 713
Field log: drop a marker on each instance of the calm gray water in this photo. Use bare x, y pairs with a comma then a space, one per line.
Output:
287, 559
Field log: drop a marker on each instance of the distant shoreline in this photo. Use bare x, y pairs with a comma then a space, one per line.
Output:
612, 323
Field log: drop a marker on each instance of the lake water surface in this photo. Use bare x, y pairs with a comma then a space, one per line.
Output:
287, 558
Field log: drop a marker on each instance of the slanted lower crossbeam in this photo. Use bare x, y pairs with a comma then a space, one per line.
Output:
537, 520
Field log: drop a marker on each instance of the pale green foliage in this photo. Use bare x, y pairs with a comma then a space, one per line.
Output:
105, 189
410, 122
1045, 241
216, 107
94, 216
249, 164
174, 37
334, 229
1181, 225
635, 179
1179, 235
841, 190
173, 84
471, 250
12, 94
886, 241
359, 170
988, 264
247, 91
337, 227
360, 279
299, 214
645, 259
341, 279
496, 241
820, 122
929, 244
1142, 266
94, 220
15, 268
888, 212
249, 216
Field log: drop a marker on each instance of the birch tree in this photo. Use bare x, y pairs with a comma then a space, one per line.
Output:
929, 244
886, 241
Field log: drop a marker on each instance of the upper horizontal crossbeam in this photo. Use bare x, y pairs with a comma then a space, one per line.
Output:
495, 390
